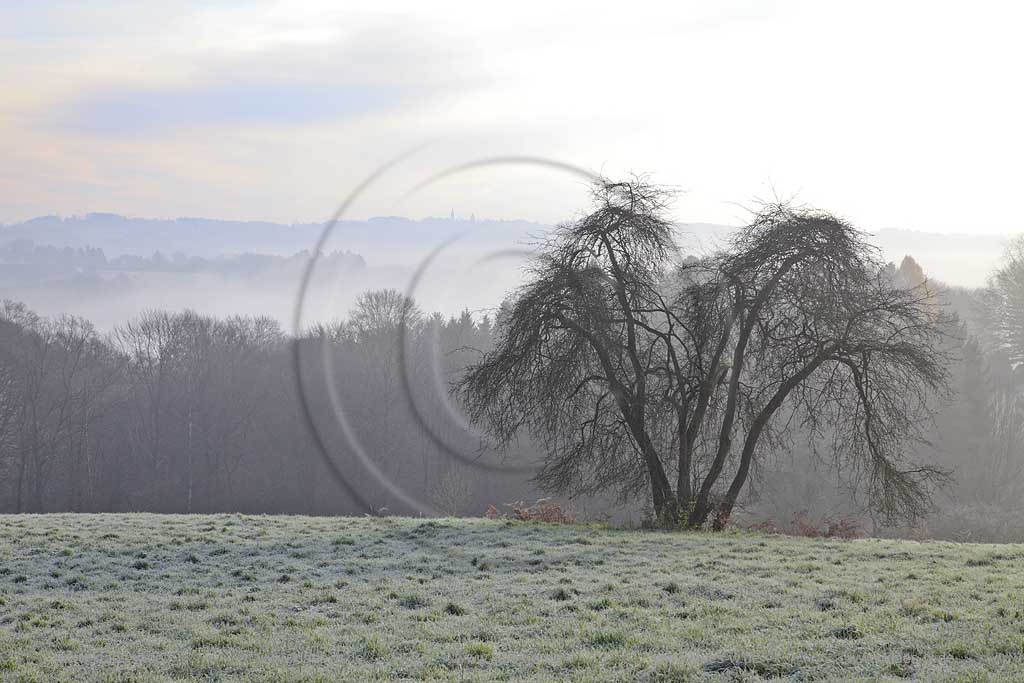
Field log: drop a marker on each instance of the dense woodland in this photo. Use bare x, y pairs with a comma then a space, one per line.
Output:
177, 412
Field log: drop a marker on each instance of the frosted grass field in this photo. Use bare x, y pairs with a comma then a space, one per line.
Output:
144, 598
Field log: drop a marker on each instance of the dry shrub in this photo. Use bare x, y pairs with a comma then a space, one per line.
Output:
804, 526
767, 526
541, 511
844, 527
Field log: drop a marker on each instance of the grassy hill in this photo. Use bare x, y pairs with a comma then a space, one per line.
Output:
146, 598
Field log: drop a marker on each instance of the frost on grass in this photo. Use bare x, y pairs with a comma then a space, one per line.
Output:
149, 598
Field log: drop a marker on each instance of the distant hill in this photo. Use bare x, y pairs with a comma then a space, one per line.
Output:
393, 240
957, 259
109, 267
118, 235
386, 239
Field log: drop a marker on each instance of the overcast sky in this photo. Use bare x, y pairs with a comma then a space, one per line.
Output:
892, 114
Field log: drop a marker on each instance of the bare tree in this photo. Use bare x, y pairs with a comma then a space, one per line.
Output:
55, 377
151, 347
640, 371
1002, 305
380, 312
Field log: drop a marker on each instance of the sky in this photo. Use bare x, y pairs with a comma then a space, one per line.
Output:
890, 114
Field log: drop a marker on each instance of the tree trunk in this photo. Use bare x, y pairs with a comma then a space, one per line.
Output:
684, 486
725, 506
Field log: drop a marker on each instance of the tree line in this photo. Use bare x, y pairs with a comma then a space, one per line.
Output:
180, 412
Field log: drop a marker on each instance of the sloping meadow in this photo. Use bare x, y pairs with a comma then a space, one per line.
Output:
146, 598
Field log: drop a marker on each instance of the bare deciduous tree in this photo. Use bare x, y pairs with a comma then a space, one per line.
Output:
641, 371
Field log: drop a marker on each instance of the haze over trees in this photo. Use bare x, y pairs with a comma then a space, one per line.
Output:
110, 268
791, 371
